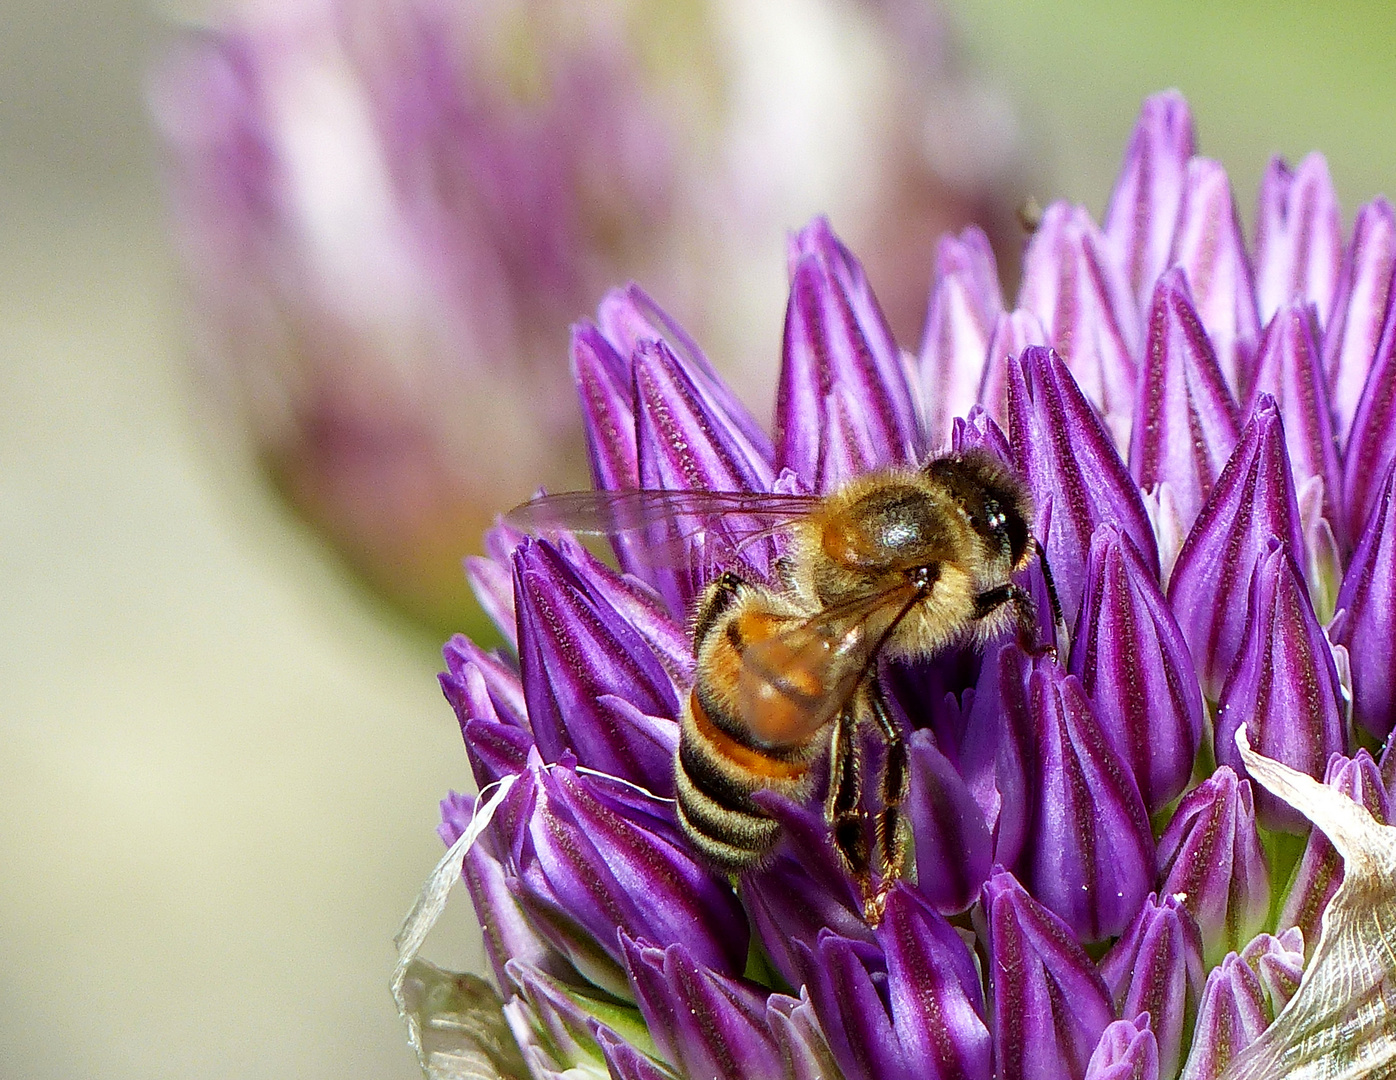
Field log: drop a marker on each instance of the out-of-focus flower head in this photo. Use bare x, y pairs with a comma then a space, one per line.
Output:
389, 211
1103, 834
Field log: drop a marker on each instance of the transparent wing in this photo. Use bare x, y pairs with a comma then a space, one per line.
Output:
668, 520
796, 680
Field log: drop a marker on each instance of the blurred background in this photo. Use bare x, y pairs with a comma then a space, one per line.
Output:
221, 740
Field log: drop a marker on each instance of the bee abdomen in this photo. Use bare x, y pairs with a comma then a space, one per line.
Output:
715, 776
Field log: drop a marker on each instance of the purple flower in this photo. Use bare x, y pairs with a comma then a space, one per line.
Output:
1073, 786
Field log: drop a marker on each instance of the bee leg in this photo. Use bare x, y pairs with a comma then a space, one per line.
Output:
841, 805
720, 595
888, 835
1058, 620
986, 603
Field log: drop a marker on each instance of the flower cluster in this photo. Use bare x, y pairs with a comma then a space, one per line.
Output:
1099, 889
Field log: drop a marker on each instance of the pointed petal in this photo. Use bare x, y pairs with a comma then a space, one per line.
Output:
1090, 853
604, 386
1232, 1015
1072, 282
1210, 857
1156, 968
1186, 422
843, 404
954, 853
1368, 629
1143, 211
1278, 962
1298, 237
1050, 1005
1252, 501
1127, 1051
1288, 367
1069, 460
1209, 247
630, 317
1283, 685
1013, 332
592, 683
1359, 310
965, 306
804, 1050
1371, 446
1132, 661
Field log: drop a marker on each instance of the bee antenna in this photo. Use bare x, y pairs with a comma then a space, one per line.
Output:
1058, 620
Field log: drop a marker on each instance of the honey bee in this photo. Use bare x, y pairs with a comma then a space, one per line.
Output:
897, 564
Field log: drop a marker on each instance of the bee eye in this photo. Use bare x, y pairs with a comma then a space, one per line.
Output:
924, 577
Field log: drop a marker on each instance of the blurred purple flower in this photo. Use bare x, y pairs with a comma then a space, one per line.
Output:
389, 213
1181, 431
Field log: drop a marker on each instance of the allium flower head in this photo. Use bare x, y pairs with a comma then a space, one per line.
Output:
1097, 854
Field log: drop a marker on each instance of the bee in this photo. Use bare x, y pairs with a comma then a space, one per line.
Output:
897, 564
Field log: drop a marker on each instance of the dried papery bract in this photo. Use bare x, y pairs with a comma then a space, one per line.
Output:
1341, 1025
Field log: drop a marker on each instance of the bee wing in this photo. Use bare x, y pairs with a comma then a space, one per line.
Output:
669, 519
812, 667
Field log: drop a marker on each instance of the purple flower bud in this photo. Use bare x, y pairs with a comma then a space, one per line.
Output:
688, 442
1288, 367
594, 857
593, 684
954, 852
1359, 310
630, 318
1367, 627
1279, 964
1127, 1051
703, 1023
1210, 857
624, 1062
1143, 211
1013, 332
1320, 869
1072, 282
1073, 470
1371, 446
507, 932
1134, 666
1156, 968
606, 391
1050, 1004
1298, 237
1232, 1015
966, 304
911, 1006
804, 1051
1283, 685
1209, 247
1089, 856
559, 1015
1186, 422
844, 404
491, 578
1253, 500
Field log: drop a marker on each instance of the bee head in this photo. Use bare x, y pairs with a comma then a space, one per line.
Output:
993, 499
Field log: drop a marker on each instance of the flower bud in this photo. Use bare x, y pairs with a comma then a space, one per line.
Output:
1367, 625
1089, 856
840, 366
1210, 857
1371, 443
1186, 422
910, 1006
593, 684
1143, 211
1050, 1004
1253, 500
1354, 329
1232, 1015
1208, 245
1071, 281
1127, 1051
1283, 685
1133, 665
1013, 332
954, 852
1156, 968
965, 306
1298, 237
1279, 964
1073, 470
